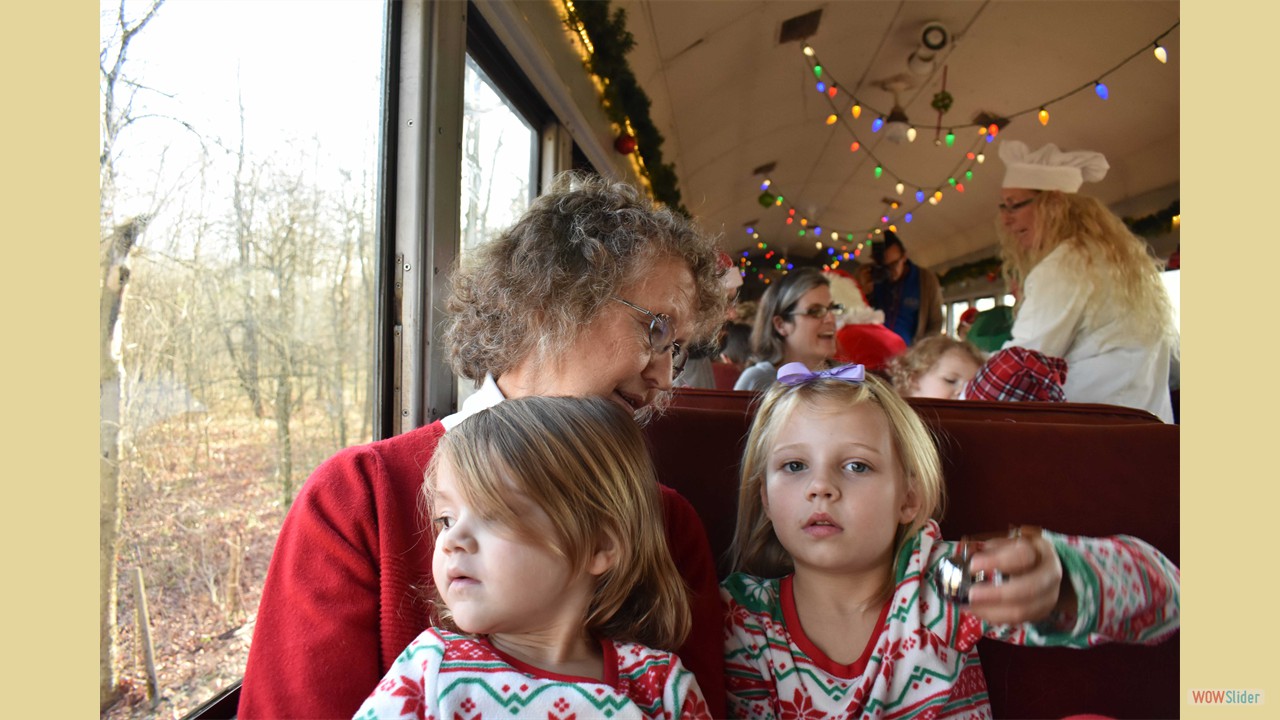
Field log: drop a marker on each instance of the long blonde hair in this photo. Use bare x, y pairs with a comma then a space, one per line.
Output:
1121, 268
584, 462
756, 549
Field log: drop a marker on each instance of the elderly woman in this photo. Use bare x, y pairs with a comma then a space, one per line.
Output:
796, 322
1091, 292
594, 291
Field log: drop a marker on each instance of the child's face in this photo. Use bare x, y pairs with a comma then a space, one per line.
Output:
834, 489
495, 581
947, 377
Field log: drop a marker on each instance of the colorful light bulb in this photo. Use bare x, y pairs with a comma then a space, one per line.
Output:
857, 110
831, 119
911, 134
1044, 116
879, 172
981, 158
831, 91
853, 146
919, 196
817, 71
808, 50
822, 87
1101, 89
1161, 54
907, 217
877, 124
951, 138
899, 187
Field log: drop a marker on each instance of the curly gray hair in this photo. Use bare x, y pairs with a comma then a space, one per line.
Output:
530, 291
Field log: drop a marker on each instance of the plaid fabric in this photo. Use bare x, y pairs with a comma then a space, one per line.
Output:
1016, 374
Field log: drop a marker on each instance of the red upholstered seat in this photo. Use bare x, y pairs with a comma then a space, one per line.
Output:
1074, 468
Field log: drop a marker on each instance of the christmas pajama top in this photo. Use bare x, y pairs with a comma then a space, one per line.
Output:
923, 661
447, 675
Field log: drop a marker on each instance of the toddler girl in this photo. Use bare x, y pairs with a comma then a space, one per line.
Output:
936, 367
834, 612
554, 580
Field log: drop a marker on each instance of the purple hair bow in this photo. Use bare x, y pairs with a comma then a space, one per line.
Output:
796, 373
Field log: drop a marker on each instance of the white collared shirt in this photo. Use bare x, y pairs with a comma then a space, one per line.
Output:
487, 396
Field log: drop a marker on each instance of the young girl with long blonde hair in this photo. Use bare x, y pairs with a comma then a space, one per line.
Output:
556, 593
833, 609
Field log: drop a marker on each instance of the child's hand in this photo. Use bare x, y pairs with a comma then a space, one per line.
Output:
1033, 584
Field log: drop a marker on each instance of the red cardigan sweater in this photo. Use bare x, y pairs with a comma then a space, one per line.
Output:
348, 584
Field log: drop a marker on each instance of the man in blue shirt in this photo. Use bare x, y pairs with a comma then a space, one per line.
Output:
909, 295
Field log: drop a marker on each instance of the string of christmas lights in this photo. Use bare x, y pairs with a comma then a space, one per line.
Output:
986, 132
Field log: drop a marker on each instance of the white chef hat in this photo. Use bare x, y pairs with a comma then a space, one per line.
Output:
1049, 168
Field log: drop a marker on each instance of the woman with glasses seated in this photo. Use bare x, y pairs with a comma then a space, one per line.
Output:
595, 291
1091, 290
796, 322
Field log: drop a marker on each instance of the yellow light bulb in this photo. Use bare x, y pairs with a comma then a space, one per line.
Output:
1161, 54
818, 244
857, 110
938, 195
831, 119
1044, 116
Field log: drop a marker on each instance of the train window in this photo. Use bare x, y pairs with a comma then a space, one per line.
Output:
240, 146
1008, 300
498, 167
498, 159
985, 303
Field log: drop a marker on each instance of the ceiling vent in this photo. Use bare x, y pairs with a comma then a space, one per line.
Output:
800, 27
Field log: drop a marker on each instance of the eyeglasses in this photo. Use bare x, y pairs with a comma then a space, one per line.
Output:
1016, 206
660, 338
818, 312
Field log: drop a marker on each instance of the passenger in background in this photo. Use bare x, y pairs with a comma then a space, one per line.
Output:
796, 322
700, 371
1017, 374
836, 607
991, 329
1091, 290
909, 295
936, 367
966, 322
737, 344
555, 591
862, 337
594, 291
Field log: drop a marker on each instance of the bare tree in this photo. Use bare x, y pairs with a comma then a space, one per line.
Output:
114, 247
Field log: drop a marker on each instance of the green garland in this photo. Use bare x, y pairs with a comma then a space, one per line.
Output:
1155, 224
624, 99
970, 271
